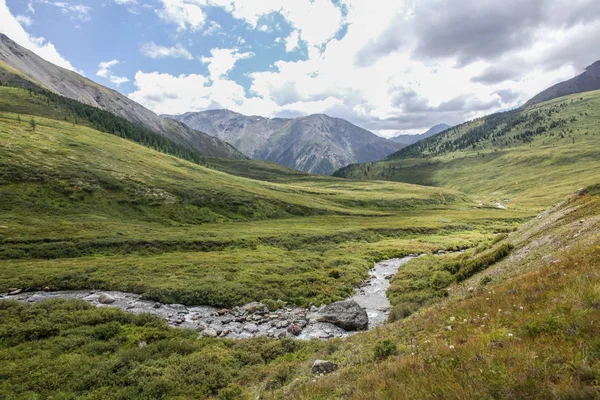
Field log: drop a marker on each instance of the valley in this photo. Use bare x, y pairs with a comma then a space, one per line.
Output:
293, 258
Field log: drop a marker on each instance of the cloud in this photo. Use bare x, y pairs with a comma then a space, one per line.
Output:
104, 71
400, 66
24, 20
223, 61
185, 14
126, 2
12, 28
292, 42
153, 50
74, 11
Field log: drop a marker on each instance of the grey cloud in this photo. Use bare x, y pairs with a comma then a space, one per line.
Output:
508, 96
472, 30
498, 74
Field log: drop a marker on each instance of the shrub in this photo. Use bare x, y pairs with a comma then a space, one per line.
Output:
385, 349
401, 311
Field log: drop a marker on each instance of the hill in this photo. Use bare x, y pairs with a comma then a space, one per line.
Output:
410, 139
532, 155
21, 67
317, 143
586, 82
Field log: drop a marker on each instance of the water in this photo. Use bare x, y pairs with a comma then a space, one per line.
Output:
244, 321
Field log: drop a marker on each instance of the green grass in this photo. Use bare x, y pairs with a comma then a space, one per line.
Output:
86, 209
501, 163
530, 333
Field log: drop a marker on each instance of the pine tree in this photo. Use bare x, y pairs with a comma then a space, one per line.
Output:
32, 124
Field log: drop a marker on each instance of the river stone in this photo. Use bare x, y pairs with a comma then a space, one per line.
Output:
294, 329
323, 367
348, 315
209, 332
106, 299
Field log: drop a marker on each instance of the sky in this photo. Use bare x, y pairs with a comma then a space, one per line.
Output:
391, 67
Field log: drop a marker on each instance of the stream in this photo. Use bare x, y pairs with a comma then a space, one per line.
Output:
246, 321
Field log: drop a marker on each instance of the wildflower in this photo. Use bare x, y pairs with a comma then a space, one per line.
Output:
482, 326
520, 308
510, 335
485, 314
451, 347
452, 318
465, 320
499, 310
449, 327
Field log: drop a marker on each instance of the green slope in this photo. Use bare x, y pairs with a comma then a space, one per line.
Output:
531, 157
80, 208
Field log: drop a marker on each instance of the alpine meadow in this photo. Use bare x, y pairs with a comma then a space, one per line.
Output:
316, 200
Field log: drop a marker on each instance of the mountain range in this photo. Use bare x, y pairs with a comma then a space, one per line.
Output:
317, 143
410, 139
19, 66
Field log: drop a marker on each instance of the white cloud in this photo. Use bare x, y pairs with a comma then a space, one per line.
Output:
378, 75
222, 62
13, 29
292, 42
126, 2
153, 50
317, 20
30, 8
104, 71
24, 20
75, 11
186, 14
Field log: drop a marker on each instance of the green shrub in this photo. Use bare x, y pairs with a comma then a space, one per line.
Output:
385, 349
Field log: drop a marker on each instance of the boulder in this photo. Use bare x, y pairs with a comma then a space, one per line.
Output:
323, 367
294, 329
348, 315
209, 332
14, 291
106, 299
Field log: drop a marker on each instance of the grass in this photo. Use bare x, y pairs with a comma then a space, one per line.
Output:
83, 209
530, 333
528, 171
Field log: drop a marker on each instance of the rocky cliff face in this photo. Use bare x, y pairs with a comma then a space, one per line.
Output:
317, 143
586, 82
24, 68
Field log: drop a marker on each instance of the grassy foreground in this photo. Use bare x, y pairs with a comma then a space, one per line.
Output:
528, 332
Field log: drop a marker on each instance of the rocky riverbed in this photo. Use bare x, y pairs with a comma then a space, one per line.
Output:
368, 308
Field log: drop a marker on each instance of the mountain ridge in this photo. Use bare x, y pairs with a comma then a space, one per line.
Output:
315, 143
24, 68
588, 81
410, 139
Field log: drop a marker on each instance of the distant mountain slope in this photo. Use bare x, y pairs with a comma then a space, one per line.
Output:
586, 82
317, 143
22, 67
535, 154
410, 139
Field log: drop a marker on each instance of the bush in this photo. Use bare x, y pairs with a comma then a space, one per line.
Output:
385, 349
401, 311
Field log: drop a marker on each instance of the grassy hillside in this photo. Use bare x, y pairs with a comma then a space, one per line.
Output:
525, 327
530, 157
86, 209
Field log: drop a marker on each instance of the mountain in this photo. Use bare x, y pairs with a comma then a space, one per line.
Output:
586, 82
317, 143
19, 66
410, 139
540, 151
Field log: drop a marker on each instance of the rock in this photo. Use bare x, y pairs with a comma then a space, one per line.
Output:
106, 299
347, 315
470, 289
14, 291
388, 277
224, 333
282, 324
222, 311
252, 328
324, 367
294, 329
581, 192
250, 308
157, 305
209, 332
46, 289
201, 326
